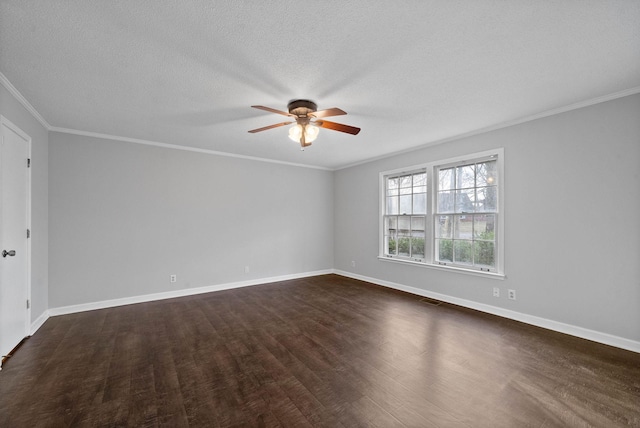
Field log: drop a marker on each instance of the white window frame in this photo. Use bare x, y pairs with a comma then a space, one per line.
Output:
409, 216
430, 252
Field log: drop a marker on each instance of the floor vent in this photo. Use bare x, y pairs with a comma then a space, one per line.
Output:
429, 301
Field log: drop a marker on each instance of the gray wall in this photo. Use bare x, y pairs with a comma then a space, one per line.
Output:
126, 216
19, 116
572, 198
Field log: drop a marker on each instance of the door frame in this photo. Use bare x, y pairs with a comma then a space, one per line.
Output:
4, 122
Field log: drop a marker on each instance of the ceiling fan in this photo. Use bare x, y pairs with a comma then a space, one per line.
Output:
308, 120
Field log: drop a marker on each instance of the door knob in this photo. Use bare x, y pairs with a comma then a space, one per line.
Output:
6, 253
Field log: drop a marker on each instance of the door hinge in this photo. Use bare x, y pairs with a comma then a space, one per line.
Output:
28, 304
28, 162
28, 233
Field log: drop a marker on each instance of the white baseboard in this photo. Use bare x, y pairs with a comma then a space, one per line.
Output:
63, 310
38, 322
584, 333
572, 330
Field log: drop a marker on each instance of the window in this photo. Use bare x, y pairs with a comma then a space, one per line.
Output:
445, 214
466, 214
405, 215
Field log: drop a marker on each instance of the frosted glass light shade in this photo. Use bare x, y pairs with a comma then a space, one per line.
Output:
310, 133
295, 132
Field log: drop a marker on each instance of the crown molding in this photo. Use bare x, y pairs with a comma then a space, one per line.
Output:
22, 100
530, 118
586, 103
178, 147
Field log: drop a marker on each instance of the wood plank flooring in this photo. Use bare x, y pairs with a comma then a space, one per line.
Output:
326, 351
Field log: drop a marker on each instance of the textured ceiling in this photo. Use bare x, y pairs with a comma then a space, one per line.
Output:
408, 73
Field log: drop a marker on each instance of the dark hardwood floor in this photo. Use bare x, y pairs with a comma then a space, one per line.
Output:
326, 351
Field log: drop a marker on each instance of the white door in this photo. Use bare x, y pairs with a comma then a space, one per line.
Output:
14, 220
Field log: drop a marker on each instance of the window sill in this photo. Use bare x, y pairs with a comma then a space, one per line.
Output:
492, 275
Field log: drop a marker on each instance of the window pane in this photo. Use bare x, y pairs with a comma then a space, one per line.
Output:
465, 200
445, 202
417, 237
444, 227
404, 231
462, 252
392, 205
390, 245
419, 179
446, 179
405, 204
390, 225
392, 183
420, 203
483, 227
420, 189
444, 248
405, 181
417, 247
404, 225
390, 234
463, 227
403, 246
487, 174
417, 225
465, 177
488, 199
484, 254
405, 190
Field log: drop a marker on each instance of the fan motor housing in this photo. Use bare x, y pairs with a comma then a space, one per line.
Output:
302, 108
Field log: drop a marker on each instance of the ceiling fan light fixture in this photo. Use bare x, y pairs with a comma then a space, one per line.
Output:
295, 132
310, 133
308, 121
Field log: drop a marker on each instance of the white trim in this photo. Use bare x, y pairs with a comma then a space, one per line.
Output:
530, 118
432, 191
15, 129
4, 122
447, 268
22, 100
38, 322
495, 154
586, 103
25, 103
572, 330
63, 310
178, 147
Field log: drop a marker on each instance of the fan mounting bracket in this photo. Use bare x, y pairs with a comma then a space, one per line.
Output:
302, 108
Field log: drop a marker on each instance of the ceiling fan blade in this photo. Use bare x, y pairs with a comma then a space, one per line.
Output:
272, 110
338, 127
328, 112
253, 131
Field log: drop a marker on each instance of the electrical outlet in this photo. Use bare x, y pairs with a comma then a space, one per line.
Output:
511, 294
353, 263
173, 278
496, 292
246, 269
